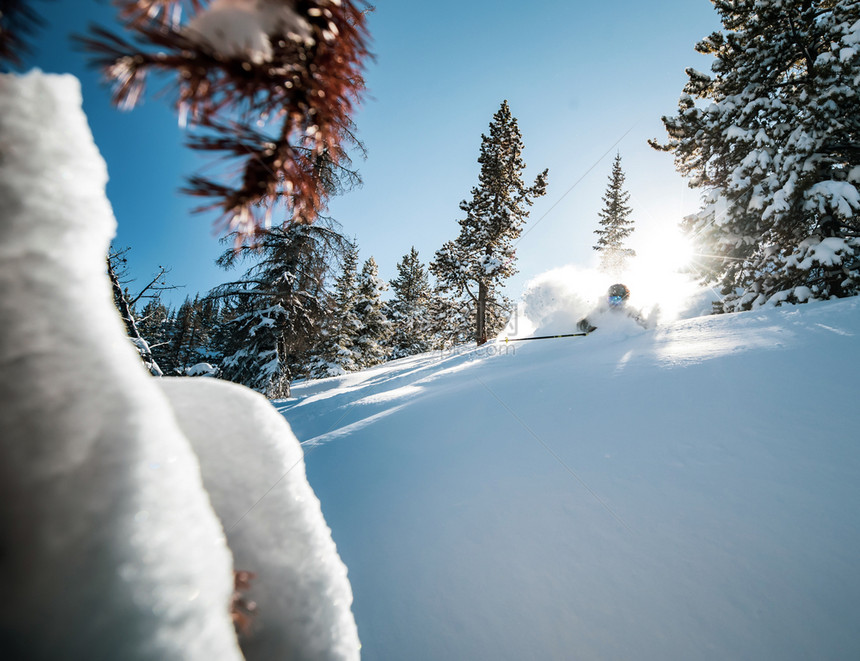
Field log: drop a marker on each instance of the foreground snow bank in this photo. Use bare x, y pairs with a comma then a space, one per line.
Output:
109, 546
254, 471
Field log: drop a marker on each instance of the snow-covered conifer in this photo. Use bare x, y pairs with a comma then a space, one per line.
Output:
476, 264
371, 345
189, 334
279, 304
254, 361
184, 336
153, 322
615, 224
409, 309
773, 138
336, 352
451, 321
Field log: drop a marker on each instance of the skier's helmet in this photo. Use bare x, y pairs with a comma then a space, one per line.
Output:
618, 295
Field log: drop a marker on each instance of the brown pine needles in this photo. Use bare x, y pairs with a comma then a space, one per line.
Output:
276, 118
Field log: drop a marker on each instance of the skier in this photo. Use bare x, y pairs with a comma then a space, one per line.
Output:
616, 301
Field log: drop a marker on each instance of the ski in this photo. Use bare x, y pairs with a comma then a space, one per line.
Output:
544, 337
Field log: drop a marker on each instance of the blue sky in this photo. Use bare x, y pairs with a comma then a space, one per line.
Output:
584, 80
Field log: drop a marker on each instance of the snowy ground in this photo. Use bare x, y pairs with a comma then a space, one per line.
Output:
689, 492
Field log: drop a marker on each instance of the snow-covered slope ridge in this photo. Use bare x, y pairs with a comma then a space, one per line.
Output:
689, 492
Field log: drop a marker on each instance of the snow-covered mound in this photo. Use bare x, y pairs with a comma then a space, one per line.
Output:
688, 492
109, 545
110, 548
254, 473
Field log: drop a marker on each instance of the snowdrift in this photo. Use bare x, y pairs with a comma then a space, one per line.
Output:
110, 547
688, 492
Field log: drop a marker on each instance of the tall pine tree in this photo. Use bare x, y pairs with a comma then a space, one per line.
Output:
476, 264
154, 325
371, 345
190, 333
409, 308
615, 224
336, 352
278, 304
773, 138
451, 321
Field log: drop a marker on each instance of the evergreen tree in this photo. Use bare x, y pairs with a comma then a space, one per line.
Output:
409, 309
476, 264
451, 321
336, 353
189, 334
775, 144
615, 224
277, 308
153, 322
371, 345
206, 315
223, 341
252, 357
184, 338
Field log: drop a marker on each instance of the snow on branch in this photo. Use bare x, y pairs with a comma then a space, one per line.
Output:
287, 74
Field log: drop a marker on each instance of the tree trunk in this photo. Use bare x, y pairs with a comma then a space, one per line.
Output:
481, 327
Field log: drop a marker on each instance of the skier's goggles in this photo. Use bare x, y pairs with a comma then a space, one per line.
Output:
616, 300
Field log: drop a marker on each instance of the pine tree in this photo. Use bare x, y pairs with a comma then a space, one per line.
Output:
277, 308
409, 309
336, 353
773, 138
206, 315
252, 357
476, 264
183, 340
189, 335
451, 322
371, 345
615, 224
153, 322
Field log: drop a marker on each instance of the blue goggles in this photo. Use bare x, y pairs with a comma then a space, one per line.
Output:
616, 300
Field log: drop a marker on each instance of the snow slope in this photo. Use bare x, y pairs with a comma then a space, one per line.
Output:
689, 492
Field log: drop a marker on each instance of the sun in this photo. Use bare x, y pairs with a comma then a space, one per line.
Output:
660, 274
677, 251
